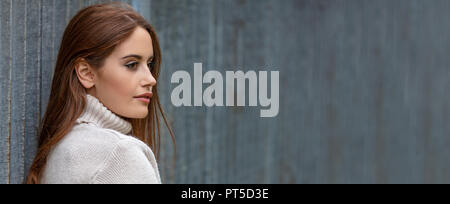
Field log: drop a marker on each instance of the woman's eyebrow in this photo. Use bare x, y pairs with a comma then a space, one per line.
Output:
136, 56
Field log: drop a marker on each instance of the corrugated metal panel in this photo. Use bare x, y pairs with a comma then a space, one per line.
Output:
5, 76
363, 87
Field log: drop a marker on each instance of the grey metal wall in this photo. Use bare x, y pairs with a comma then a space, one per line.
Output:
363, 87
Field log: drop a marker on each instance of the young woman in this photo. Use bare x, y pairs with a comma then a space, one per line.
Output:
102, 113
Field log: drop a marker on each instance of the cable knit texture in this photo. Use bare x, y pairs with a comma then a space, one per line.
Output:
100, 150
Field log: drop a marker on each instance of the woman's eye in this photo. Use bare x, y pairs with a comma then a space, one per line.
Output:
134, 65
131, 65
151, 65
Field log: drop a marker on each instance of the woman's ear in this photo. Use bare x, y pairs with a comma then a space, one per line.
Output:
85, 74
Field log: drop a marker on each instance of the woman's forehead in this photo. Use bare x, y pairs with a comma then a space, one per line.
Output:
139, 43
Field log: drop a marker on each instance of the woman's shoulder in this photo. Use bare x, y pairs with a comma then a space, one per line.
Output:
88, 131
88, 139
88, 134
83, 150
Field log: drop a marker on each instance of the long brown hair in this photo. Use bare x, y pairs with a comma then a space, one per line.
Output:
92, 34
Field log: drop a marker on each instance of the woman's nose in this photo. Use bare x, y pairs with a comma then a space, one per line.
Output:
149, 80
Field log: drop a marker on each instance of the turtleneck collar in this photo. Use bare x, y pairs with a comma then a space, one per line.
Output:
97, 114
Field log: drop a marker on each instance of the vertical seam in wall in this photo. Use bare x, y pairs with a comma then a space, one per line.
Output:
53, 28
67, 11
9, 90
24, 91
149, 11
39, 67
209, 114
1, 46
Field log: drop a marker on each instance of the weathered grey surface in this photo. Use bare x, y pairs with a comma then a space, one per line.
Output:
363, 87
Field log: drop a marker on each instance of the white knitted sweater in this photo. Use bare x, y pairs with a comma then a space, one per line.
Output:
100, 149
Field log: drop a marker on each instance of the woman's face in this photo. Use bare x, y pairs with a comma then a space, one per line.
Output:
125, 75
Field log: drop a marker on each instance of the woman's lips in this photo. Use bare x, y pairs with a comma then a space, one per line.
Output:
145, 97
146, 100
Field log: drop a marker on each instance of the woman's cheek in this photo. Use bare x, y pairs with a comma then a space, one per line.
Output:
121, 83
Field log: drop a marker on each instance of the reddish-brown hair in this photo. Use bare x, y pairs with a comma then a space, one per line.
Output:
92, 34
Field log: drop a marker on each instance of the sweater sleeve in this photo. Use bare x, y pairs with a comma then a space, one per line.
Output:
127, 164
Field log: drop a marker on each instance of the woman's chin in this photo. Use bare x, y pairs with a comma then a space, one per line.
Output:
137, 115
141, 115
